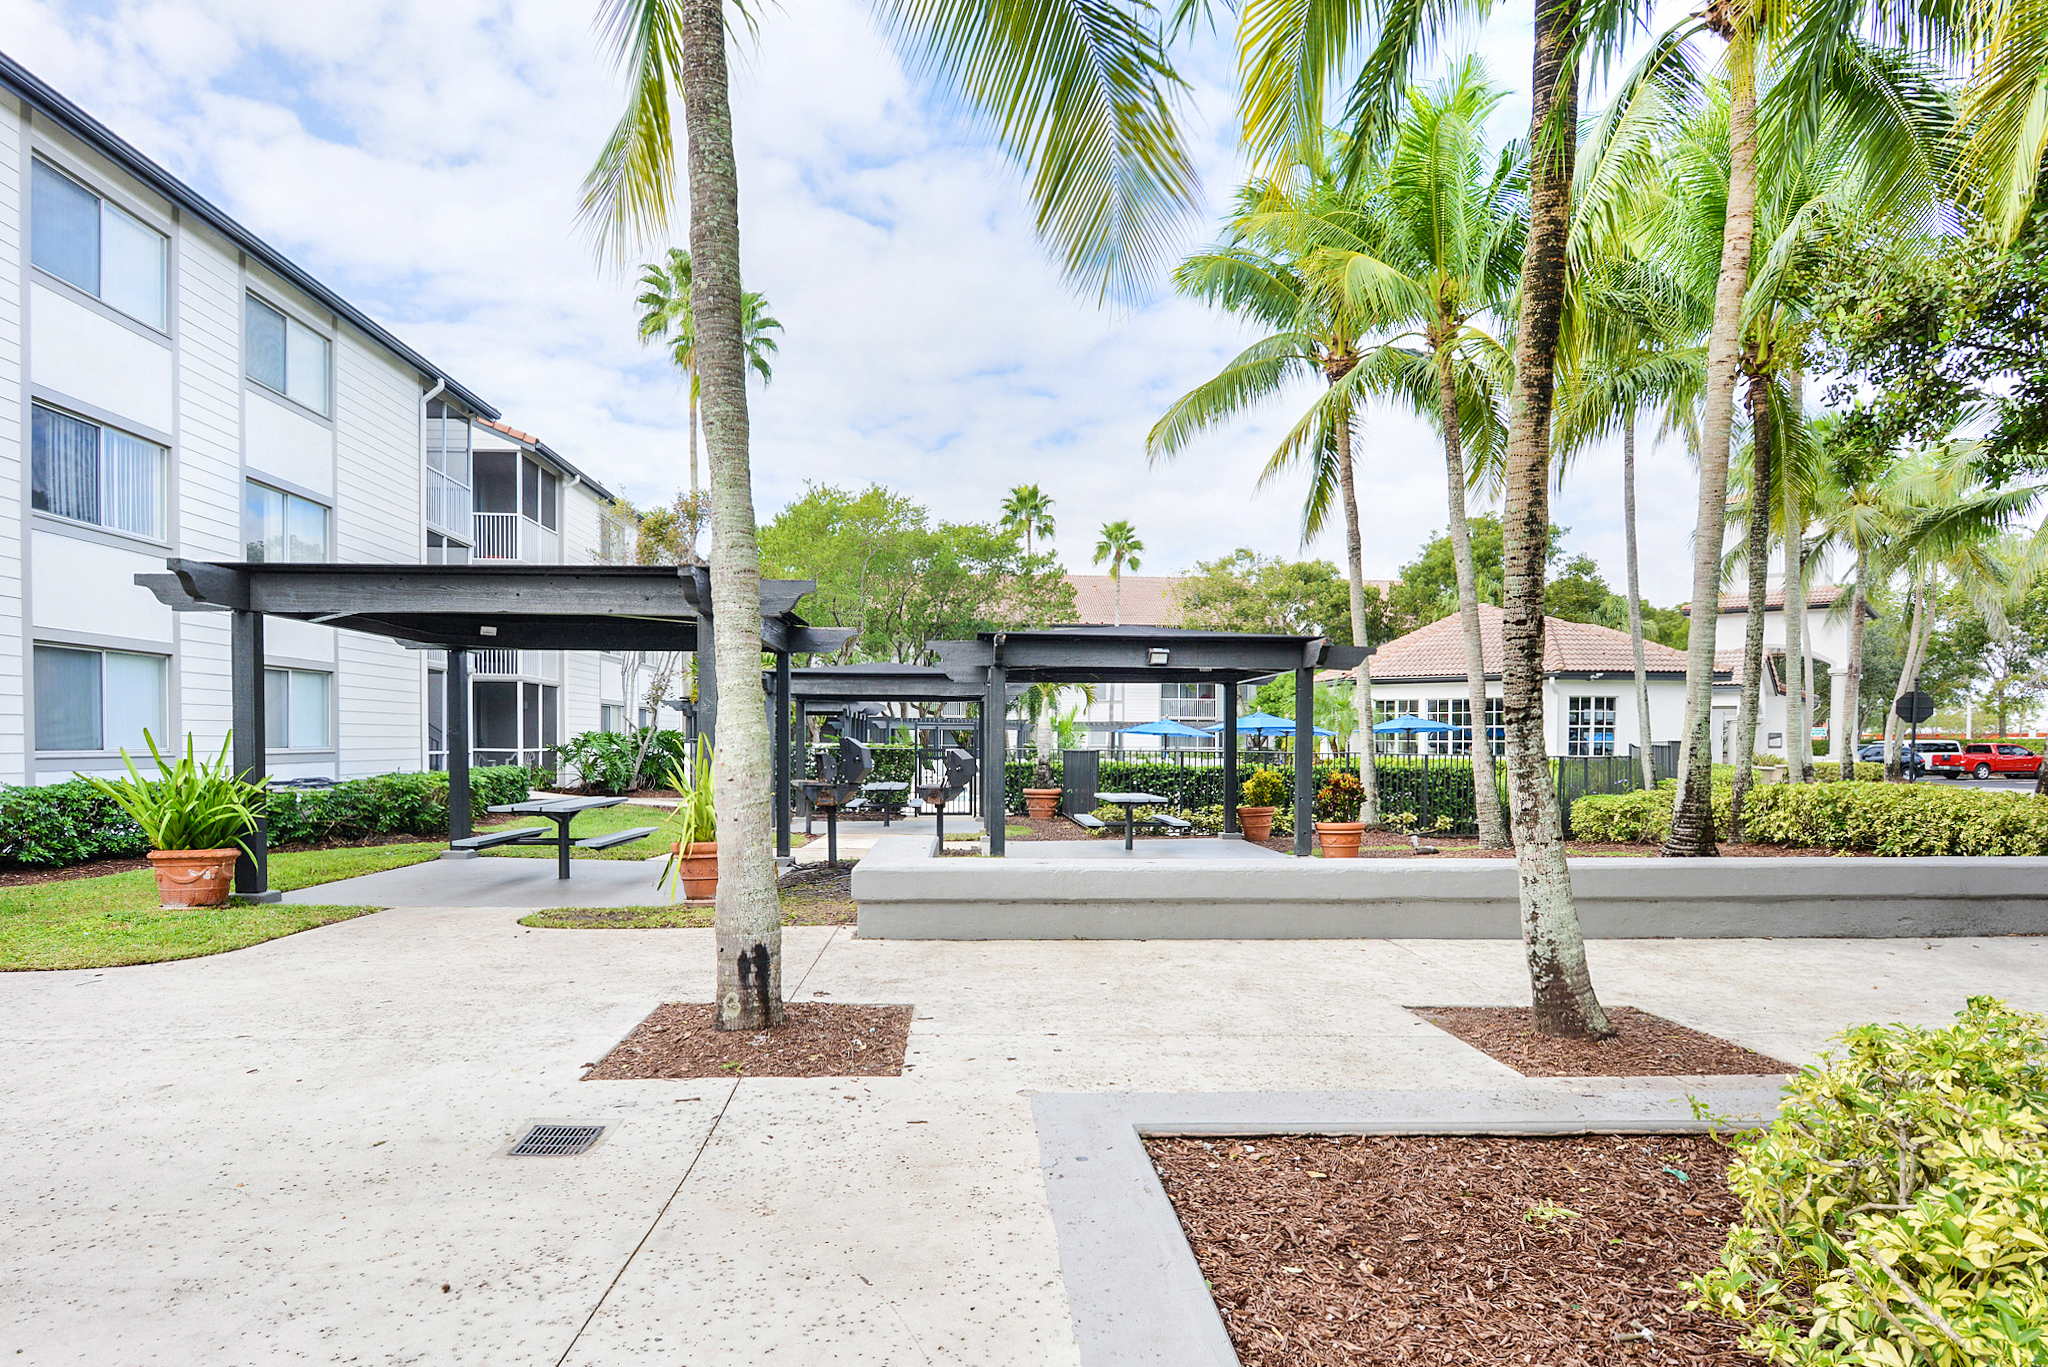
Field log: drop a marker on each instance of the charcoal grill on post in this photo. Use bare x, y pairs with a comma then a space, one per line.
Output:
840, 775
957, 772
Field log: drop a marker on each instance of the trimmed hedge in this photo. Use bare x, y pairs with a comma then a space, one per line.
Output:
1892, 819
1894, 1212
71, 823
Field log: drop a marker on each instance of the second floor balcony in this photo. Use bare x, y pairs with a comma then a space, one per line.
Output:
510, 536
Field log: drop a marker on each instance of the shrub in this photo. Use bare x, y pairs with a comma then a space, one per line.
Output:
1895, 1211
192, 804
1898, 819
1339, 798
70, 823
604, 759
1643, 817
1265, 788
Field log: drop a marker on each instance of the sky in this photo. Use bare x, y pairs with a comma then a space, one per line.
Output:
424, 161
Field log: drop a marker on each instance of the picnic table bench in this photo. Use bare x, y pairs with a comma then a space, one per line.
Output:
561, 811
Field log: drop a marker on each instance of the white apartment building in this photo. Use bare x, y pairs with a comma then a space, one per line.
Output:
170, 385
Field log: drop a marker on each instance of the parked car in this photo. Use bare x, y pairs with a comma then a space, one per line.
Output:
1874, 754
1982, 759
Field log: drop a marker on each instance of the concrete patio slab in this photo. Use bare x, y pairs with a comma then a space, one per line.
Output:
485, 881
166, 1204
1105, 848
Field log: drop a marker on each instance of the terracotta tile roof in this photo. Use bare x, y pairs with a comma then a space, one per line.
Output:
1817, 597
1437, 651
1149, 600
509, 430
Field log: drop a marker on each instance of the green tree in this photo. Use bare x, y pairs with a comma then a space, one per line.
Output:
1074, 91
1120, 546
1246, 591
665, 313
1028, 510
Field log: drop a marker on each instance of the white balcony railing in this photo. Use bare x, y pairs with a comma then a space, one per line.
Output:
508, 536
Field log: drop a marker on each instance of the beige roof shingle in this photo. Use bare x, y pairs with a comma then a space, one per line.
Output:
1148, 600
1437, 651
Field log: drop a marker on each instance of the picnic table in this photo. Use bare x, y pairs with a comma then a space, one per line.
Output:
887, 800
561, 811
1130, 802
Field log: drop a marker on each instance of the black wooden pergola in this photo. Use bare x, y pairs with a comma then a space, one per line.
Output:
460, 608
997, 661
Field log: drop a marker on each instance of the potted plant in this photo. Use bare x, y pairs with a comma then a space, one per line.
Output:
691, 870
1338, 829
1042, 803
195, 817
1260, 797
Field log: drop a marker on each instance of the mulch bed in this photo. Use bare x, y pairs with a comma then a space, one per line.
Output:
1392, 845
1435, 1249
815, 1039
1645, 1045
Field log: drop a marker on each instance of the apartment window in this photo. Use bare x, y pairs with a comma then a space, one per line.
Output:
286, 356
1589, 727
82, 239
539, 493
445, 550
1497, 725
97, 699
96, 474
283, 528
612, 717
1451, 712
448, 456
295, 709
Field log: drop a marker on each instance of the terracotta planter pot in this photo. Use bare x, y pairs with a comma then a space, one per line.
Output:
699, 869
194, 878
1042, 804
1256, 822
1340, 839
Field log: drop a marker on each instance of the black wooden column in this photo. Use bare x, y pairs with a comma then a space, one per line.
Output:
1304, 755
707, 659
995, 768
245, 673
455, 735
1230, 831
779, 705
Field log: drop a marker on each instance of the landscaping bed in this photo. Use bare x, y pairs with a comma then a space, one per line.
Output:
1644, 1045
815, 1039
811, 896
1383, 1249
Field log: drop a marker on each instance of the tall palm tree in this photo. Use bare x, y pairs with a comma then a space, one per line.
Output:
1438, 248
1075, 91
665, 313
1028, 509
1119, 545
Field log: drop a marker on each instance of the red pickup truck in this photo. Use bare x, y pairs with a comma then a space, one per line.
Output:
1981, 760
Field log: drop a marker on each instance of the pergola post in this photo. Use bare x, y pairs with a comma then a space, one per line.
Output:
1304, 754
779, 702
245, 669
1230, 831
455, 733
707, 659
995, 769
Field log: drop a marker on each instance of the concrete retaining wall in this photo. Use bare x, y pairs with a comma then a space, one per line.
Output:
906, 893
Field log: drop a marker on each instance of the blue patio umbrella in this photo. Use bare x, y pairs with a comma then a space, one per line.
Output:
1163, 727
1266, 724
1409, 725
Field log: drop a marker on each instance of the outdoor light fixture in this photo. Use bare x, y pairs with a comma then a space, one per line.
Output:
1156, 655
487, 631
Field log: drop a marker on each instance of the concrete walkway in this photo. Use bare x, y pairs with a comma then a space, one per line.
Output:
529, 884
283, 1154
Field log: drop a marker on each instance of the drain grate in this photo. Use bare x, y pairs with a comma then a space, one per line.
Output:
556, 1141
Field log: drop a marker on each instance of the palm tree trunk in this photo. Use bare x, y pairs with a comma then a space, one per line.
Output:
1692, 817
1561, 988
1758, 574
1798, 723
749, 909
1635, 597
1852, 689
1354, 549
1485, 787
693, 435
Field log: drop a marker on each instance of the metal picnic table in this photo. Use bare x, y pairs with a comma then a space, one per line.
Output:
1130, 802
561, 811
886, 801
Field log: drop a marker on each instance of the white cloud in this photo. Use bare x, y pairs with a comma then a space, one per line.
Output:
424, 160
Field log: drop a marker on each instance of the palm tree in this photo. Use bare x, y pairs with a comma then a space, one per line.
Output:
1028, 509
1076, 93
1039, 703
1437, 248
665, 313
1119, 545
1255, 273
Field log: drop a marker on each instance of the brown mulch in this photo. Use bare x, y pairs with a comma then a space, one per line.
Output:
1645, 1045
1392, 845
815, 1039
1383, 1249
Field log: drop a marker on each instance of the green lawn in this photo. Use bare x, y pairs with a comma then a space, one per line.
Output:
114, 919
596, 821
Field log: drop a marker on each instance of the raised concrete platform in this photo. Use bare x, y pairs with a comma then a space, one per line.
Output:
1235, 851
906, 893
